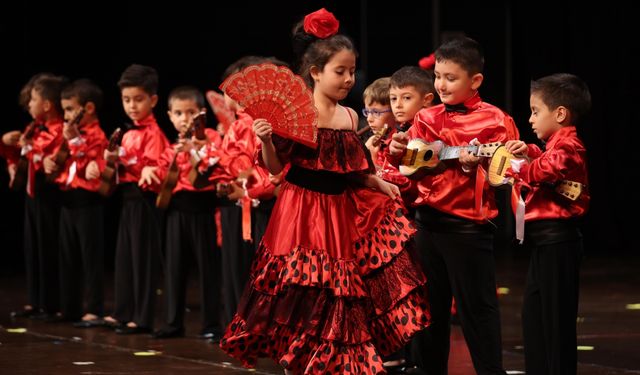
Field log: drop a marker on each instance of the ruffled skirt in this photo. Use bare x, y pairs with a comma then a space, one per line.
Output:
333, 286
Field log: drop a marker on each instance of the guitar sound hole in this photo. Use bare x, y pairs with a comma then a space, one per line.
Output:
428, 155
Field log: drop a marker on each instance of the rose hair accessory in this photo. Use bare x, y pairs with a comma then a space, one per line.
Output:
428, 62
321, 24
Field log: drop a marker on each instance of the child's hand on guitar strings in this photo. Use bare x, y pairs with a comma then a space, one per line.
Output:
398, 143
517, 147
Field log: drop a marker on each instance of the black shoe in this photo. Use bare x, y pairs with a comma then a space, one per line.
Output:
126, 330
89, 323
168, 332
212, 334
404, 369
25, 313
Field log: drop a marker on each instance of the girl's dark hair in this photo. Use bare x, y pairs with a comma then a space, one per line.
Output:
246, 61
312, 51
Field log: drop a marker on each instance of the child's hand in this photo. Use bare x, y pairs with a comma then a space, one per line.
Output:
236, 193
12, 168
263, 130
49, 165
148, 176
517, 147
388, 188
373, 140
110, 156
69, 132
92, 171
398, 143
11, 138
467, 159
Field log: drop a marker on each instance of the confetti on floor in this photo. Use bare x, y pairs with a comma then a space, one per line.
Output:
633, 306
148, 353
503, 291
83, 363
585, 347
16, 330
515, 372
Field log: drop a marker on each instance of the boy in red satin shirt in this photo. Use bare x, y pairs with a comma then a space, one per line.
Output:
454, 210
550, 308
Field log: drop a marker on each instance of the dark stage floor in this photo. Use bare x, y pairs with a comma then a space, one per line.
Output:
609, 325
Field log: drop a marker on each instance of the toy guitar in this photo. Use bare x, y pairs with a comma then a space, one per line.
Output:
501, 162
22, 169
199, 179
108, 176
171, 180
423, 157
61, 156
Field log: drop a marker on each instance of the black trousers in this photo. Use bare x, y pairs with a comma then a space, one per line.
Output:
137, 262
550, 306
191, 234
236, 253
40, 239
457, 259
81, 253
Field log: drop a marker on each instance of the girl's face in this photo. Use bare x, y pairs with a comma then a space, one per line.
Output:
338, 76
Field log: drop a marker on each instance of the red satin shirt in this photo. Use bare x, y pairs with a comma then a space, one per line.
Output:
45, 143
87, 147
390, 173
141, 146
564, 159
454, 191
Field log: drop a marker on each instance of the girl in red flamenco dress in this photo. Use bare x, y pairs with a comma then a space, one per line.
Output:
333, 285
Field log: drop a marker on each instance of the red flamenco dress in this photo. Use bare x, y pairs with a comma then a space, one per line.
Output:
333, 284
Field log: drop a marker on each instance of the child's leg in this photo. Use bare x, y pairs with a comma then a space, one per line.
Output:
175, 268
123, 277
471, 266
70, 267
559, 266
91, 232
430, 348
208, 258
534, 332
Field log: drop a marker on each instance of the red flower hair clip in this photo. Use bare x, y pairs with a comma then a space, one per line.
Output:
321, 24
428, 62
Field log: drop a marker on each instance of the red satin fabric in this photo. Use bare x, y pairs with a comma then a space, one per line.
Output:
389, 172
143, 145
454, 191
564, 159
45, 142
239, 144
332, 285
10, 154
91, 148
183, 161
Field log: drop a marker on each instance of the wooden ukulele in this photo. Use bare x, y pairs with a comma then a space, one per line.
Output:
501, 162
423, 157
61, 156
171, 180
108, 176
22, 167
196, 178
381, 134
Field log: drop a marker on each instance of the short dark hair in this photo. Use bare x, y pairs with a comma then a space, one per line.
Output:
142, 76
563, 89
186, 93
25, 92
413, 76
50, 88
85, 90
246, 61
465, 52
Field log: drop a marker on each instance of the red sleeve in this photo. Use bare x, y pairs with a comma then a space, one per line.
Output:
552, 165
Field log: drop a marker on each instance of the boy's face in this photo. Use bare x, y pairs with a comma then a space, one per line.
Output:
38, 106
181, 113
137, 103
453, 83
406, 102
544, 121
378, 115
72, 108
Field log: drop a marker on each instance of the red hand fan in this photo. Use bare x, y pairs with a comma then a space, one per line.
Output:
276, 94
224, 115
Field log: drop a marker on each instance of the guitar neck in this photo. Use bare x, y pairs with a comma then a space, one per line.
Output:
453, 152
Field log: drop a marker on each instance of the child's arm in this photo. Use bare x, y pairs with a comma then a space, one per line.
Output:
264, 131
551, 166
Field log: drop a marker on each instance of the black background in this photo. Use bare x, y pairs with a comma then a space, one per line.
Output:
193, 42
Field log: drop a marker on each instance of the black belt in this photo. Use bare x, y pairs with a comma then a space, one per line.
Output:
438, 221
193, 201
324, 182
547, 232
